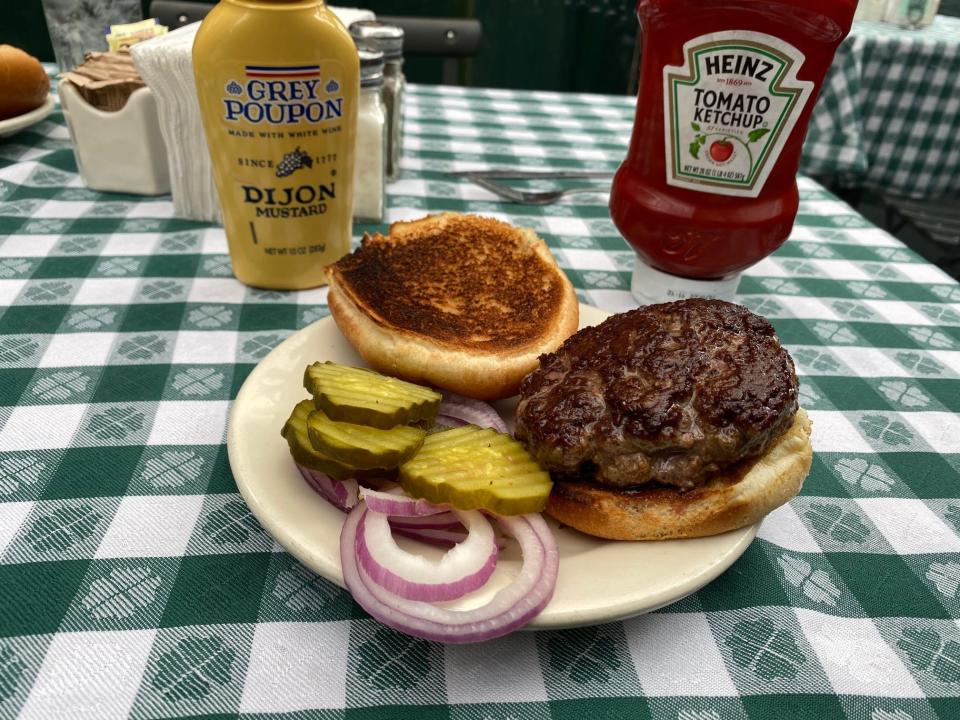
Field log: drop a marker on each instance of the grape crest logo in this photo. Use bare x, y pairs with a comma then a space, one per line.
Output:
293, 161
729, 109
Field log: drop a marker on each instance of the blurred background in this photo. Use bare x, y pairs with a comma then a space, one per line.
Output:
573, 45
592, 46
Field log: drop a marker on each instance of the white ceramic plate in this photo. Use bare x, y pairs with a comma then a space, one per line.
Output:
600, 581
21, 122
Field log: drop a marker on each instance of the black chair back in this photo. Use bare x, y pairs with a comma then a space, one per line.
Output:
447, 38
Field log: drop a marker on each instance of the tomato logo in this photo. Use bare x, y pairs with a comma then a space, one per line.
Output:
721, 150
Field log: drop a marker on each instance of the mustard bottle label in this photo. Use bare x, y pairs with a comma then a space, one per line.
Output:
284, 161
729, 109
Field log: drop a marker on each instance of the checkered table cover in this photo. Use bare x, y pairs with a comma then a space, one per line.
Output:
135, 582
888, 115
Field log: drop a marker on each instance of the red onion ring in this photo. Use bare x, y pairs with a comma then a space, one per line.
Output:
399, 505
449, 421
342, 494
512, 606
461, 570
446, 536
435, 536
475, 412
443, 529
444, 521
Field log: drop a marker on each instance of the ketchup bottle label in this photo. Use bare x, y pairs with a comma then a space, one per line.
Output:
729, 109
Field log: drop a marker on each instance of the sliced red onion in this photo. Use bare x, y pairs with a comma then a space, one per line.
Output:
449, 421
435, 536
443, 521
394, 505
440, 536
435, 529
342, 494
511, 608
461, 570
443, 529
471, 411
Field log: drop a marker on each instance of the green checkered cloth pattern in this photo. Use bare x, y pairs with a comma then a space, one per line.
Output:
135, 582
889, 111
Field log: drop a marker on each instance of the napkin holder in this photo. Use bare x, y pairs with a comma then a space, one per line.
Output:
121, 151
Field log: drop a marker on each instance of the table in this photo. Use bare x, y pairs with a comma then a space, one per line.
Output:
135, 582
889, 110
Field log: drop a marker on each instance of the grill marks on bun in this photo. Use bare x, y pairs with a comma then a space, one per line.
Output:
461, 302
463, 281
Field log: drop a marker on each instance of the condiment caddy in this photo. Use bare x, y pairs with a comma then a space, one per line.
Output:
113, 122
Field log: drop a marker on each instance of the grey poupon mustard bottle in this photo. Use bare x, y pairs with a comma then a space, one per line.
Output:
389, 40
277, 82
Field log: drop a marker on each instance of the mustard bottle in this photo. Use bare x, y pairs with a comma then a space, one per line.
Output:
278, 82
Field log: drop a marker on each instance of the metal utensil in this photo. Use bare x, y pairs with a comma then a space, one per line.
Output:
484, 178
534, 174
537, 197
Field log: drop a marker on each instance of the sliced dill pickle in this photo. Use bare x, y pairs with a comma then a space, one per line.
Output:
364, 397
362, 446
297, 437
475, 468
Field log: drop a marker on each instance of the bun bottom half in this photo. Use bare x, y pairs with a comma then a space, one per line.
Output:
731, 499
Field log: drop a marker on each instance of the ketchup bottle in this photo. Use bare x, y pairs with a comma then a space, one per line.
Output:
708, 186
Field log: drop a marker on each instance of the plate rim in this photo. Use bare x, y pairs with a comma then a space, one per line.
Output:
20, 122
558, 619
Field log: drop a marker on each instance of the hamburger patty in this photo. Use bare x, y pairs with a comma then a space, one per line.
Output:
666, 393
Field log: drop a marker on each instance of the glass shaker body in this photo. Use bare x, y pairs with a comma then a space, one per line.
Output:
394, 84
389, 40
371, 160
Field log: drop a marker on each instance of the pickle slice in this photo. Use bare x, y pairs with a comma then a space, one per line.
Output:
296, 435
475, 468
362, 446
364, 397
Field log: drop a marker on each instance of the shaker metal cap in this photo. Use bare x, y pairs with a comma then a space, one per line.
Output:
389, 38
371, 65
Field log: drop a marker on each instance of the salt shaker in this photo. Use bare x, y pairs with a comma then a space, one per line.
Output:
368, 177
388, 39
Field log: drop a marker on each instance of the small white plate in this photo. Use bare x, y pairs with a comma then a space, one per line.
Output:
21, 122
600, 580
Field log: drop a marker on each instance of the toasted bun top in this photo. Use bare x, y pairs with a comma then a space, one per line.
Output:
24, 83
462, 281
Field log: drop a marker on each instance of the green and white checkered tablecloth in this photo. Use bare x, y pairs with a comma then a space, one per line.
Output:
135, 582
888, 115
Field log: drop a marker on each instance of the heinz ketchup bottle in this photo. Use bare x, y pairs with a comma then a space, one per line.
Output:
708, 186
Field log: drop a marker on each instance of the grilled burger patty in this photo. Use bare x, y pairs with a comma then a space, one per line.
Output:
666, 393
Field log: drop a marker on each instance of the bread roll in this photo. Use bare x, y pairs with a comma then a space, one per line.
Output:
24, 83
